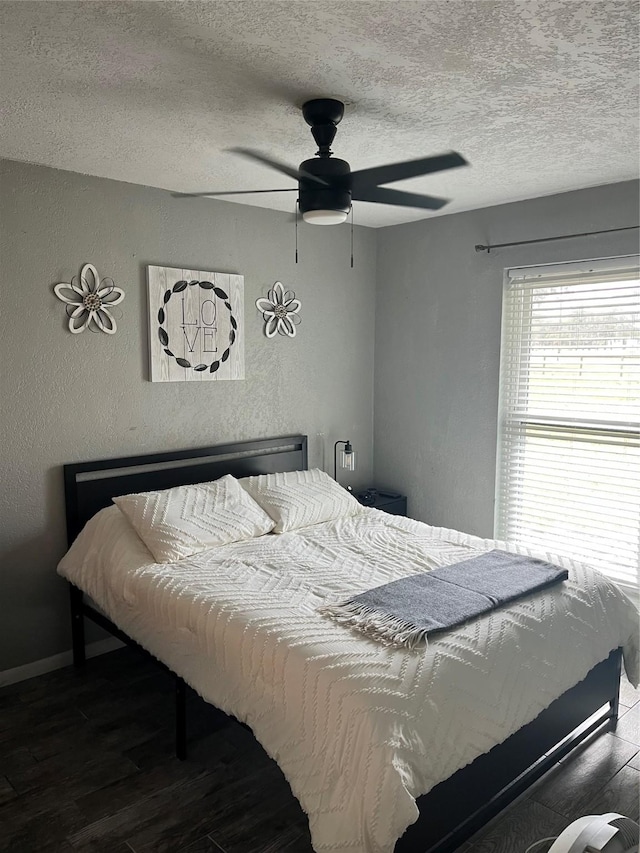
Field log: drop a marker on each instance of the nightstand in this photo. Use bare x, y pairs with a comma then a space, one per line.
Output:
390, 502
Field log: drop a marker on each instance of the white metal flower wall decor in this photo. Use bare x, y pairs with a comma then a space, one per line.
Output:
88, 301
280, 311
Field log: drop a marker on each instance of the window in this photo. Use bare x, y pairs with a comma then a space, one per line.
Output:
568, 479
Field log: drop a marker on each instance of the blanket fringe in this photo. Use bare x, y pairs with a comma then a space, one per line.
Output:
385, 628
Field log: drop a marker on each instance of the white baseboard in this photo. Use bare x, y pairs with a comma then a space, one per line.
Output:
39, 667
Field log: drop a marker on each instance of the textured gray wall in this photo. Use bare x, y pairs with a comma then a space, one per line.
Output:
438, 316
70, 397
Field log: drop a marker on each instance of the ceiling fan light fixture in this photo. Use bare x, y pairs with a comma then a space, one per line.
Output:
325, 217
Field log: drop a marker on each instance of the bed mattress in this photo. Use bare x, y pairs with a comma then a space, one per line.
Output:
359, 729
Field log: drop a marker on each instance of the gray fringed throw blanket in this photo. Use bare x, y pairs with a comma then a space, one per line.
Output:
405, 611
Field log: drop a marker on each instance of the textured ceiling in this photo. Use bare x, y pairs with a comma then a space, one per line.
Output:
540, 97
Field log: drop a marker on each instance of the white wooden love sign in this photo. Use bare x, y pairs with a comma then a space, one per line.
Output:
196, 325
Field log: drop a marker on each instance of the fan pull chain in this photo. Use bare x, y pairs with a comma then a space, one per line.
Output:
351, 236
297, 213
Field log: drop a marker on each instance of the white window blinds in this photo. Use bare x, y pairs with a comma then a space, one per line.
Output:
568, 478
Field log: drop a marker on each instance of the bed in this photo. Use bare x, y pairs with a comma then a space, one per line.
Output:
356, 684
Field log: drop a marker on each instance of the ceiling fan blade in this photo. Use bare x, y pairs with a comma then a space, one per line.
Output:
233, 192
278, 165
382, 195
408, 169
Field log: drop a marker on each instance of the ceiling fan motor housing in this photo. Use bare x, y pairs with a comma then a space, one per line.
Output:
336, 195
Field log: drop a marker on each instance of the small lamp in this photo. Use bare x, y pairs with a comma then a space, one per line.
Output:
347, 458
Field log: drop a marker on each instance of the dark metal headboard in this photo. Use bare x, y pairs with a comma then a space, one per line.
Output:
90, 486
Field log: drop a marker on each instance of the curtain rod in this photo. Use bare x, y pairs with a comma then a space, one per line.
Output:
487, 249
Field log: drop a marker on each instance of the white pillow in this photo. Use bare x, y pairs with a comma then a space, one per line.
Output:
178, 522
300, 498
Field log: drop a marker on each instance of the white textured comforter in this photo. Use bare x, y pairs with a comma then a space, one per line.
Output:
359, 729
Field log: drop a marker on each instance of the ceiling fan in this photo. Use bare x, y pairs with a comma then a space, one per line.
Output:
327, 186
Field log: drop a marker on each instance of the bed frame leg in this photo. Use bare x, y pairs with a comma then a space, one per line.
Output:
614, 703
77, 626
181, 719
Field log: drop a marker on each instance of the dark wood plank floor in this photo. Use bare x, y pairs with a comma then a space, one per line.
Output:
87, 766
